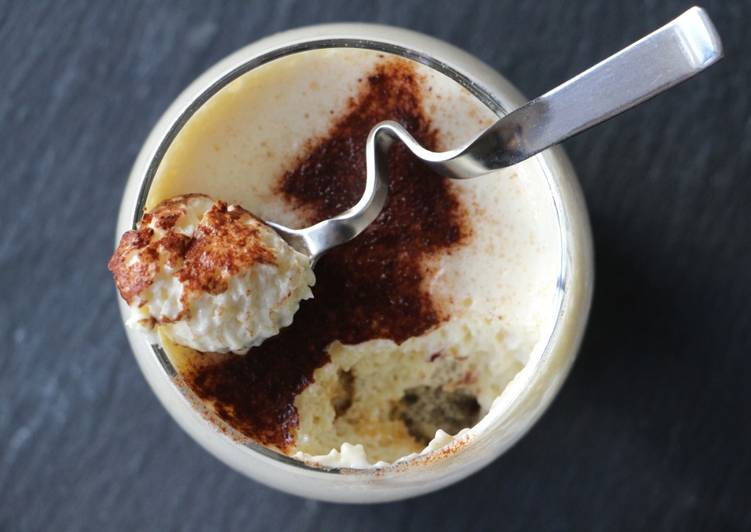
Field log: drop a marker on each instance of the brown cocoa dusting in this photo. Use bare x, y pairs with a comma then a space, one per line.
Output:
371, 287
132, 279
226, 241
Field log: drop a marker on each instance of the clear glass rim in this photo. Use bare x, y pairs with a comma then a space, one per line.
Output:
483, 95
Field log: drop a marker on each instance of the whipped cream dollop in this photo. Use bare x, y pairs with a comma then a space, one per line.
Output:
211, 276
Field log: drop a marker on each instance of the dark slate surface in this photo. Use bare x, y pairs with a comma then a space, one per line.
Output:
652, 431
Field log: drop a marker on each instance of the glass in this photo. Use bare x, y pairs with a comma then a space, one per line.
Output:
532, 390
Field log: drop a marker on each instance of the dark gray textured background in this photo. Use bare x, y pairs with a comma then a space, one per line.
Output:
653, 429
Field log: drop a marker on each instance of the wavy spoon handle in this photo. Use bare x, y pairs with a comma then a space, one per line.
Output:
672, 54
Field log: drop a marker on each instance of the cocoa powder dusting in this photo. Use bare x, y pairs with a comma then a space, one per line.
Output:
366, 289
226, 240
224, 243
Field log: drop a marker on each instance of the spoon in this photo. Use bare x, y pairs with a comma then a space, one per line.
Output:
672, 54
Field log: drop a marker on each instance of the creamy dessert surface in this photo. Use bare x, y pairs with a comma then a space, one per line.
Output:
491, 289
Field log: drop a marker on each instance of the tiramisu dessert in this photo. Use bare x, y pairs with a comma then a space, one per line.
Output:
414, 328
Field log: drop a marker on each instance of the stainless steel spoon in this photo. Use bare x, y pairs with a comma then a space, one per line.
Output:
672, 54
